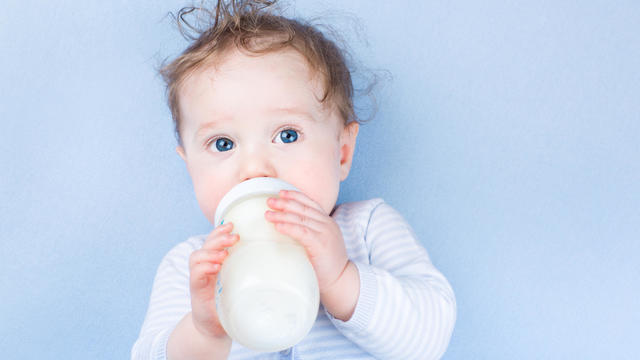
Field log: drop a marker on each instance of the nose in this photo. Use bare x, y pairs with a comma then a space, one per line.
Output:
257, 163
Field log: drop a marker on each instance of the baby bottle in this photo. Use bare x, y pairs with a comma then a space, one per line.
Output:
267, 295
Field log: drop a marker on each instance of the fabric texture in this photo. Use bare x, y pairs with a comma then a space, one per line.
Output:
406, 308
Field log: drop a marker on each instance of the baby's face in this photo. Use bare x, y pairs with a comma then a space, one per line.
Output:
259, 116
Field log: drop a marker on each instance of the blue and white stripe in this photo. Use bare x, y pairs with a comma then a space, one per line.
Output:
406, 308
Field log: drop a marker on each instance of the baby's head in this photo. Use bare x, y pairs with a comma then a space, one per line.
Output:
258, 94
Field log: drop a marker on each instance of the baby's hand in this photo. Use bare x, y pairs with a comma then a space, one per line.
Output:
204, 265
301, 218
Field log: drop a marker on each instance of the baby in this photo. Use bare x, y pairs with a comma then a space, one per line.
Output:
261, 95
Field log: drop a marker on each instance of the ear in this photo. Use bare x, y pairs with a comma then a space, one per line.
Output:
182, 153
347, 147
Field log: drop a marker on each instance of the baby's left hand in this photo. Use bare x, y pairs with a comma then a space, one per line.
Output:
301, 218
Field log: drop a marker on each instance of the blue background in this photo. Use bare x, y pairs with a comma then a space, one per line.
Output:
508, 136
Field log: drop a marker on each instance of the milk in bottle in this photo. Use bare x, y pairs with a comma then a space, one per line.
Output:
267, 294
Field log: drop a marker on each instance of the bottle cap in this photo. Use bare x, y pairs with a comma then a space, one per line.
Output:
248, 188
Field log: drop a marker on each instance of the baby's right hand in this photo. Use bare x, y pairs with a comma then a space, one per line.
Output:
204, 265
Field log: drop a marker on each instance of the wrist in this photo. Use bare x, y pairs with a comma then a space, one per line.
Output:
186, 341
341, 298
218, 334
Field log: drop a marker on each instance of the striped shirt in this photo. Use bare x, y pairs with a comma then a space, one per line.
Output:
406, 308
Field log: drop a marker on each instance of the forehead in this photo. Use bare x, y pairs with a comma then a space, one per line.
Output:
238, 84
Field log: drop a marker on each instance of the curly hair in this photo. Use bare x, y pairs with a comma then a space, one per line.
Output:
254, 27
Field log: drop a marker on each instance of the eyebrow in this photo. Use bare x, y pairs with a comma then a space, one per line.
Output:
293, 111
284, 110
203, 128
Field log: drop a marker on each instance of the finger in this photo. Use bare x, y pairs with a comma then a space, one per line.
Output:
207, 256
221, 241
301, 197
205, 269
298, 232
221, 229
290, 217
294, 206
203, 277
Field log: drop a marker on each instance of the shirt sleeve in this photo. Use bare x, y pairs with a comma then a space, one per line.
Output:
169, 303
406, 308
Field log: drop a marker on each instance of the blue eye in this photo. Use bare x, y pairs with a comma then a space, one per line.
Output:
224, 144
288, 136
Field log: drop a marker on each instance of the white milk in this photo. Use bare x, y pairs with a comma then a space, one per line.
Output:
267, 294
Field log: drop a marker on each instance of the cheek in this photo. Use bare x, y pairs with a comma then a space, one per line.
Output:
206, 198
209, 190
317, 177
